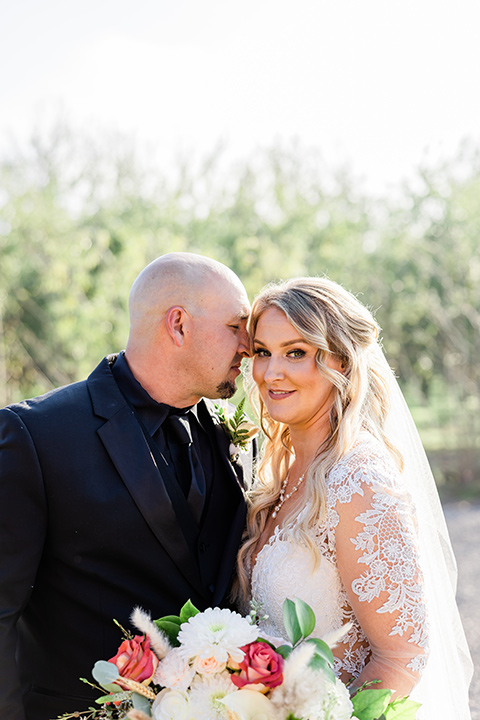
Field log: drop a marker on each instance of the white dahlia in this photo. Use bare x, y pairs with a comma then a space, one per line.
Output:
217, 634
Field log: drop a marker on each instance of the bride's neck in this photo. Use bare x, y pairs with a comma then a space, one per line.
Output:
306, 443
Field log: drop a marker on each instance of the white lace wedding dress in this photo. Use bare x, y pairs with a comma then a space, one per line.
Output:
369, 574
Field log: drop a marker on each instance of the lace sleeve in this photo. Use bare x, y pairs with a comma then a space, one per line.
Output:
377, 558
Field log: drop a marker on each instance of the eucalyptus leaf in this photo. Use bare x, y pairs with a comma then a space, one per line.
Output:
112, 688
188, 610
105, 672
290, 620
402, 709
305, 617
117, 697
141, 703
370, 704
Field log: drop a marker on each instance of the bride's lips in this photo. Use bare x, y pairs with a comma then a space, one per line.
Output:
279, 394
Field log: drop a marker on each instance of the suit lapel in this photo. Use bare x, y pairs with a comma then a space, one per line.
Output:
124, 441
234, 475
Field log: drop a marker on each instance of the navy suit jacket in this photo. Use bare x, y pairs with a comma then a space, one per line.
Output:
88, 531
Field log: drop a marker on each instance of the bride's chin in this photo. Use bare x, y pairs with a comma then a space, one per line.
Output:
277, 415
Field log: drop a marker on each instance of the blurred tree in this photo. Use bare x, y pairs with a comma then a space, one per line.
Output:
79, 218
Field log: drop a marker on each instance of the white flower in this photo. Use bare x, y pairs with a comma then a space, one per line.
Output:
174, 672
171, 705
249, 705
206, 695
308, 693
234, 452
217, 634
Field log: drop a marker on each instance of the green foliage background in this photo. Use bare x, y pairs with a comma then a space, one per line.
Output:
81, 216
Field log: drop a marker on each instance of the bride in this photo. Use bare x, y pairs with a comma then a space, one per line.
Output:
345, 513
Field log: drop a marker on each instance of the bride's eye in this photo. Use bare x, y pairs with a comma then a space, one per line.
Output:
296, 353
261, 352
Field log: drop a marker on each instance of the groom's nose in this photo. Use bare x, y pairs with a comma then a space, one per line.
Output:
244, 344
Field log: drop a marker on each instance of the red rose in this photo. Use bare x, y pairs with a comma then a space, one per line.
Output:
261, 667
135, 661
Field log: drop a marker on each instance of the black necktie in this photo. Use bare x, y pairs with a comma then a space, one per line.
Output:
185, 461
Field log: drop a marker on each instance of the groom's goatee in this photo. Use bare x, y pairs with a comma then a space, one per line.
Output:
226, 389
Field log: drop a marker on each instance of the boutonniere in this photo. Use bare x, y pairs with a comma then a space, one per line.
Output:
238, 428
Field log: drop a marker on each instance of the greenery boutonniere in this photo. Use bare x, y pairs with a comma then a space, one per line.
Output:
238, 428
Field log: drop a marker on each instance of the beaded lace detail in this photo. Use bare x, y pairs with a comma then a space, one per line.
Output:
383, 540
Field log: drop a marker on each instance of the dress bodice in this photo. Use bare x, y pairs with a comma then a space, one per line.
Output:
368, 573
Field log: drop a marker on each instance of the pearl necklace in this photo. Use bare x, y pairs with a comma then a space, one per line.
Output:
283, 498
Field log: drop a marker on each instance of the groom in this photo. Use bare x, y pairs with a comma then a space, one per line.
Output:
105, 501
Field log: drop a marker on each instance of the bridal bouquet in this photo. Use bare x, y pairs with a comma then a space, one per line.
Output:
213, 665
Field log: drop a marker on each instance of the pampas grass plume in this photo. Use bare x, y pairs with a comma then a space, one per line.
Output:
158, 641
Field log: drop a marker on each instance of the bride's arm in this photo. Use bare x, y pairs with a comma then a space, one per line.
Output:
378, 562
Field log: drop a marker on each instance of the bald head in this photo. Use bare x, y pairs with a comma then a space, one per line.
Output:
187, 320
178, 278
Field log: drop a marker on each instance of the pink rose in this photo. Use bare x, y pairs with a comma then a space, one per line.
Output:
261, 668
135, 661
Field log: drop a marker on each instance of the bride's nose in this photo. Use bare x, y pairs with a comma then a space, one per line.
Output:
274, 369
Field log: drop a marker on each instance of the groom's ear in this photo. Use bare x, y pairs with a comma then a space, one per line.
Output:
176, 320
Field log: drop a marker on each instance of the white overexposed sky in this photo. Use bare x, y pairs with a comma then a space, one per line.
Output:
380, 84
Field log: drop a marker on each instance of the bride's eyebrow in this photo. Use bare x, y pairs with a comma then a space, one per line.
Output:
287, 343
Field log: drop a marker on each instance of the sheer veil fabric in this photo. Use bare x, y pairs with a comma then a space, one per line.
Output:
443, 687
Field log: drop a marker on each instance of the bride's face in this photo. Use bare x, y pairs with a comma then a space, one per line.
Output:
287, 376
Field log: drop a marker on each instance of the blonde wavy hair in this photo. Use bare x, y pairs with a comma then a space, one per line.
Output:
331, 319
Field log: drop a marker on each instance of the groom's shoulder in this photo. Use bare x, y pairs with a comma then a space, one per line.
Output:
65, 398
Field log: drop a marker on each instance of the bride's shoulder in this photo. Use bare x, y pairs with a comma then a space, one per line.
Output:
367, 463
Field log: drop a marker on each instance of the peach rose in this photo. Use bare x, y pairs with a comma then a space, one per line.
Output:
208, 666
261, 668
135, 661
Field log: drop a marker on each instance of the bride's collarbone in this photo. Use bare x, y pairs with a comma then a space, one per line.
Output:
287, 514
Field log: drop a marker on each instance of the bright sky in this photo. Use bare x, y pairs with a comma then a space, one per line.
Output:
381, 84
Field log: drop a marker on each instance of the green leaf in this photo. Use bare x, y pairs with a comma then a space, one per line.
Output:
402, 709
305, 617
370, 704
171, 628
284, 651
238, 414
322, 659
170, 618
317, 662
141, 703
105, 672
290, 620
113, 697
321, 648
188, 610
